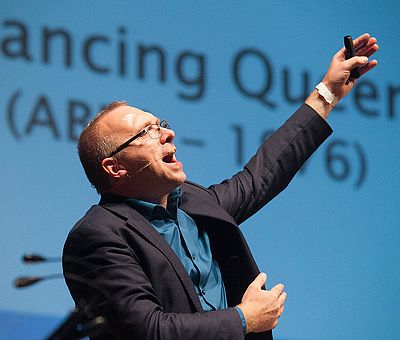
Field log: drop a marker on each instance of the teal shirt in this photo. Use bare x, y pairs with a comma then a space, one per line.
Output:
190, 244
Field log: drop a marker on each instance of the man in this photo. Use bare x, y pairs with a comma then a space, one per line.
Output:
163, 258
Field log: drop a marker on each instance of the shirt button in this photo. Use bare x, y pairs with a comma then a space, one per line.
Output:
203, 292
193, 257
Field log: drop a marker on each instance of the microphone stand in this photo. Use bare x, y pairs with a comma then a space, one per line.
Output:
81, 321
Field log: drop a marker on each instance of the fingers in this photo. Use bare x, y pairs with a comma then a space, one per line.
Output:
368, 67
278, 289
259, 281
275, 324
282, 298
362, 39
370, 51
364, 45
281, 309
261, 308
354, 62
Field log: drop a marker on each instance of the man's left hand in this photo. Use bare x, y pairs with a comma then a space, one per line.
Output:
338, 79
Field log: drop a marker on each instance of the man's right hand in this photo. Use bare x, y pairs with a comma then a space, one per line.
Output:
262, 308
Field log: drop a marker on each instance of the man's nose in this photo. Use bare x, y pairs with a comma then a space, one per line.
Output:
167, 136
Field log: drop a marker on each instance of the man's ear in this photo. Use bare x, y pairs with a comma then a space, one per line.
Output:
113, 168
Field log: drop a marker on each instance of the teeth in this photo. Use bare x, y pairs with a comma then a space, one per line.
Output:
169, 157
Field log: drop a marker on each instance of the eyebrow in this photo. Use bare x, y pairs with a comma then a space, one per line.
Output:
139, 134
149, 122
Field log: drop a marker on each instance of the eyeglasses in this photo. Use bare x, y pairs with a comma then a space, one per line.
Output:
153, 130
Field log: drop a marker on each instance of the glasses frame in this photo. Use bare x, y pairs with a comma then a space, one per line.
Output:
163, 124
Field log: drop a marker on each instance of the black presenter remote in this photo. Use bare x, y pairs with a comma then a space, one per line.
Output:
350, 52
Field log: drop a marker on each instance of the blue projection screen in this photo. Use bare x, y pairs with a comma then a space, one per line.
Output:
225, 75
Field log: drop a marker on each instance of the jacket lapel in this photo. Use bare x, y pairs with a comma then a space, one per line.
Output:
140, 225
199, 202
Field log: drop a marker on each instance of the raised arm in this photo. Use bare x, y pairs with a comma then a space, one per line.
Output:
282, 155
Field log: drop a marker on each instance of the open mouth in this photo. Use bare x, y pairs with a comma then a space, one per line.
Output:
169, 158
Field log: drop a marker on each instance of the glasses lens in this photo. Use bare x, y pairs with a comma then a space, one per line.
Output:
154, 131
165, 125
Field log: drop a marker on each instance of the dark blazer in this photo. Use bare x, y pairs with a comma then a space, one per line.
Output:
127, 269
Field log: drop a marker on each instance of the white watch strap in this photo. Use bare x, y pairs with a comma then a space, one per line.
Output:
324, 92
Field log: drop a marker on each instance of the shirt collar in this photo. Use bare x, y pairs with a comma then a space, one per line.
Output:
152, 211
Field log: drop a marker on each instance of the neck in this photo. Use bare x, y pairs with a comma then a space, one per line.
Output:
156, 199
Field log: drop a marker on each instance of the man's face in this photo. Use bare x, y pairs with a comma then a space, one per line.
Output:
151, 163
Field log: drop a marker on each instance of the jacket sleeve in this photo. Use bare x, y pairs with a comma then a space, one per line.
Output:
101, 268
274, 165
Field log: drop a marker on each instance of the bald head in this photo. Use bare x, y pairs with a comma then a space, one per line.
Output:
118, 161
125, 121
96, 142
